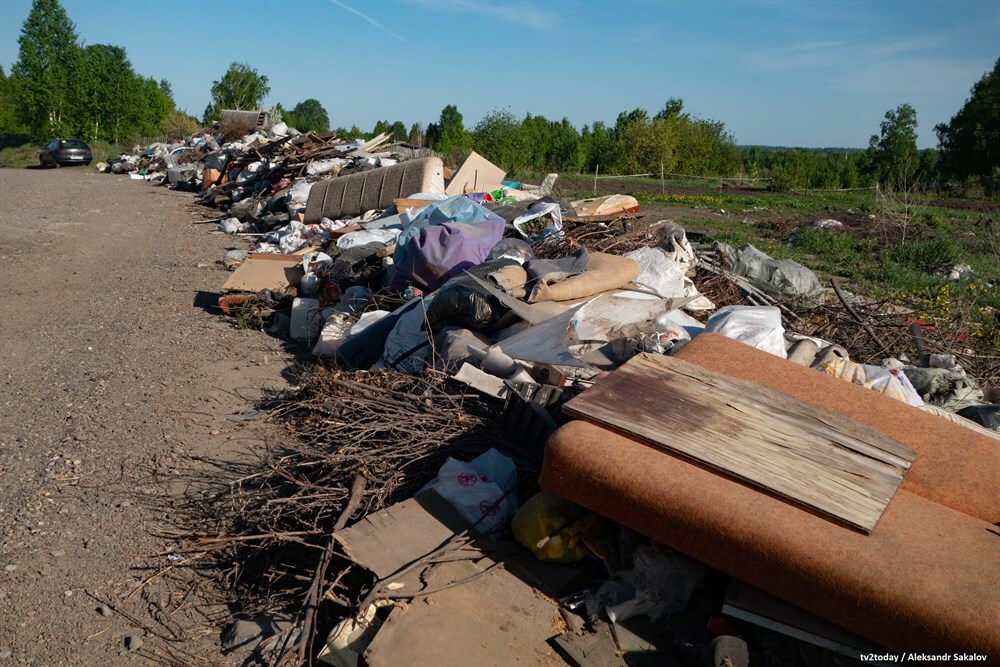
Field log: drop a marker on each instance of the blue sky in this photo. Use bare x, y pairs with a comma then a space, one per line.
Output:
810, 73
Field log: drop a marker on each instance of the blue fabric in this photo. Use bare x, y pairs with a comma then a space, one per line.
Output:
453, 209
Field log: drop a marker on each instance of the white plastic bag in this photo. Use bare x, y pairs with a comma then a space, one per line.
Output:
335, 333
367, 319
232, 226
538, 210
298, 196
756, 326
334, 165
891, 382
352, 239
658, 273
477, 488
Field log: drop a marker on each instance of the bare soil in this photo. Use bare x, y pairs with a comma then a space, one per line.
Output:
115, 370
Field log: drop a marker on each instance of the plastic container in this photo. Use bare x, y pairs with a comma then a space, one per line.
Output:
307, 319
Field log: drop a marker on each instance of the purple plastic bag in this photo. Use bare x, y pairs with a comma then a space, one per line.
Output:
442, 251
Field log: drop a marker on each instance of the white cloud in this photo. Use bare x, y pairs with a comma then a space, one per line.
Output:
370, 20
834, 54
518, 13
912, 76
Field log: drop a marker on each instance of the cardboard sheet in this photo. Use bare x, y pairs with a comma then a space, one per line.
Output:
258, 273
477, 174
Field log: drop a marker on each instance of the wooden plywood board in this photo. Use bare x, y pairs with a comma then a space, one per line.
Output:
796, 450
256, 274
404, 203
387, 540
590, 649
495, 620
475, 175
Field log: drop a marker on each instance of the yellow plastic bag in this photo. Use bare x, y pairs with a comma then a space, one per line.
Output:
556, 530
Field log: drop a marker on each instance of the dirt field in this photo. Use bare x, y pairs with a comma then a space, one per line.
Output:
113, 374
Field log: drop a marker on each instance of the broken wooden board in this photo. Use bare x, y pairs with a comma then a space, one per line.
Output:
475, 175
386, 541
404, 203
494, 620
798, 451
747, 603
275, 272
590, 649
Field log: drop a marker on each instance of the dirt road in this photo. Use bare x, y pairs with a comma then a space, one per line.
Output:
111, 374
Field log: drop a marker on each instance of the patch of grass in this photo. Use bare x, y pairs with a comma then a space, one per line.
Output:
735, 235
25, 156
881, 253
834, 252
19, 157
830, 243
927, 255
104, 151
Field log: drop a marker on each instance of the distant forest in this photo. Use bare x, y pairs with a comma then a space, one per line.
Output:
60, 88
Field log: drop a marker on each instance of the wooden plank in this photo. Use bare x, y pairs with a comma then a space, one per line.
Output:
288, 258
796, 450
389, 539
591, 649
404, 203
495, 620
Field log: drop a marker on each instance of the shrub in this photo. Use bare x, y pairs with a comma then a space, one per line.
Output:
927, 255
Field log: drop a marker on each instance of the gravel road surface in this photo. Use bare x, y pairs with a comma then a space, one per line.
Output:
114, 371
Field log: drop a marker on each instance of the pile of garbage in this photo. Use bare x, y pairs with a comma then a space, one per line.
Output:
454, 313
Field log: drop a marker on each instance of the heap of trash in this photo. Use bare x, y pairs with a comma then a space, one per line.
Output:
517, 392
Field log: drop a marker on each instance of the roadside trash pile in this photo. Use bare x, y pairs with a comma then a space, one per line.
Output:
515, 392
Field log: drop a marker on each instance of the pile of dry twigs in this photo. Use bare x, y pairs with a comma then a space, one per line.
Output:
359, 441
617, 237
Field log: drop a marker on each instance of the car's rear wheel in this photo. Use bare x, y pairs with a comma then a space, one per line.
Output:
87, 163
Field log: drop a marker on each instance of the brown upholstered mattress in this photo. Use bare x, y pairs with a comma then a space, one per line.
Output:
926, 579
955, 466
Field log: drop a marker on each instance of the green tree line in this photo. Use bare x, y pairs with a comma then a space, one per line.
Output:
58, 87
637, 142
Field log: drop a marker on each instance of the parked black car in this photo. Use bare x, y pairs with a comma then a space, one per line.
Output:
65, 151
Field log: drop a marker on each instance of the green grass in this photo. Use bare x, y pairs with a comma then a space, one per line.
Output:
19, 157
909, 268
25, 156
